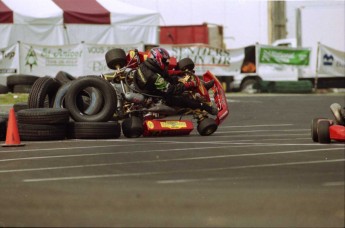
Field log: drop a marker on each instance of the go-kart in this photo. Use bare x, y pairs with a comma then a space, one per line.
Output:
324, 130
145, 114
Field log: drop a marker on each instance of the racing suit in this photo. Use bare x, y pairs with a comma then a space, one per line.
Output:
158, 82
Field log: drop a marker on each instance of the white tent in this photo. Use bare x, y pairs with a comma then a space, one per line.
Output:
60, 22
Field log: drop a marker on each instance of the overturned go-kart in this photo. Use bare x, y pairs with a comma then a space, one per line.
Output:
138, 104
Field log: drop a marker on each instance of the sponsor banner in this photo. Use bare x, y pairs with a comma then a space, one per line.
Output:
9, 60
94, 56
218, 61
48, 60
331, 62
284, 56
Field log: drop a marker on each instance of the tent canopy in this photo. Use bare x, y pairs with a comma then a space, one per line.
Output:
59, 22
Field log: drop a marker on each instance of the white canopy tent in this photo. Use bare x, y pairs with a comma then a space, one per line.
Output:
61, 22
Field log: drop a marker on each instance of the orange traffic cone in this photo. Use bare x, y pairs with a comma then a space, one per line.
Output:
12, 134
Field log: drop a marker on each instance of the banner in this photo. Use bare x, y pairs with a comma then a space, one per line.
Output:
48, 60
9, 62
330, 62
218, 61
94, 56
284, 56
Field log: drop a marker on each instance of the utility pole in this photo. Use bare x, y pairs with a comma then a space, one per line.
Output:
277, 20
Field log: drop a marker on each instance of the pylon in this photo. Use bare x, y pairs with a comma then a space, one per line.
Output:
12, 134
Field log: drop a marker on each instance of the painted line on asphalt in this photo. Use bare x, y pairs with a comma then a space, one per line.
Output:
331, 184
226, 145
166, 160
181, 171
261, 125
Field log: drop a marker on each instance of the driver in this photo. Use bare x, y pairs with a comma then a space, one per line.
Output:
152, 75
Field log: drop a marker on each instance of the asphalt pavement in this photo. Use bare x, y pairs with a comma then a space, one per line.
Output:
260, 169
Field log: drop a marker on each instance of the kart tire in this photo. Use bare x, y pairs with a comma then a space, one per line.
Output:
114, 57
39, 132
43, 92
185, 64
107, 91
323, 131
20, 106
207, 127
132, 127
90, 104
43, 116
314, 130
64, 77
94, 130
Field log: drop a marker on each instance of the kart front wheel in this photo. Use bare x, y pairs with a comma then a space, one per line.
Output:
314, 130
323, 131
207, 127
132, 127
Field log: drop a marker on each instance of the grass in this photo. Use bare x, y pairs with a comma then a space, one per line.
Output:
12, 98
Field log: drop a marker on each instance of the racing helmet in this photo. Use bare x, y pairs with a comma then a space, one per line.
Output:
160, 56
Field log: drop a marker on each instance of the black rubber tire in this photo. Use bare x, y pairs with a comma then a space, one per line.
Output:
207, 127
186, 64
20, 79
132, 127
22, 88
93, 96
4, 89
323, 131
116, 56
43, 92
3, 128
20, 106
109, 99
64, 77
43, 116
39, 132
249, 86
314, 130
94, 130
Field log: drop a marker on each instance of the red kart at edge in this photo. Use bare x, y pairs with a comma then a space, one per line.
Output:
325, 130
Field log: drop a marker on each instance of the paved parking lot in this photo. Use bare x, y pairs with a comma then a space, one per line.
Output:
260, 169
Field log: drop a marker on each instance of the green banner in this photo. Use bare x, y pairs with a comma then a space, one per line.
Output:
293, 57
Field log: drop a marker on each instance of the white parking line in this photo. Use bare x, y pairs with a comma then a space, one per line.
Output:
226, 145
167, 160
262, 125
180, 171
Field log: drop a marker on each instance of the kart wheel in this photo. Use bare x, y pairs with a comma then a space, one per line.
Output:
323, 131
185, 64
132, 127
207, 127
314, 130
114, 57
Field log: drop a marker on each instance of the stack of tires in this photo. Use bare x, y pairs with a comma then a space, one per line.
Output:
83, 108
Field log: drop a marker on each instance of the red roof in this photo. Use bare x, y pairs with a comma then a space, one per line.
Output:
83, 12
6, 14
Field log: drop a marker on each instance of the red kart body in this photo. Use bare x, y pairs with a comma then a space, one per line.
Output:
337, 133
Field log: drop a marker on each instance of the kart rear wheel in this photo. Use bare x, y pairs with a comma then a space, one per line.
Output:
207, 127
132, 127
323, 131
116, 57
186, 64
314, 130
